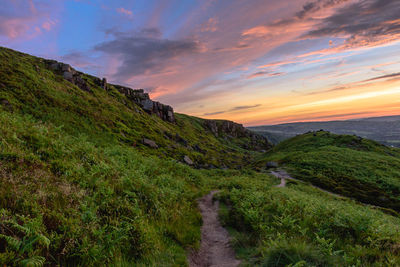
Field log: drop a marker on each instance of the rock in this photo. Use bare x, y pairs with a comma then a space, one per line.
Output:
147, 105
65, 67
138, 96
54, 65
104, 83
229, 129
272, 164
187, 160
150, 143
68, 76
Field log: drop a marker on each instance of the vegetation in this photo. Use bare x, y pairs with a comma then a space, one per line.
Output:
28, 86
344, 164
301, 226
79, 188
385, 130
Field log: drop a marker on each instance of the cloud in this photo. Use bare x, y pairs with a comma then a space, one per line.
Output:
232, 109
214, 113
22, 18
264, 73
48, 25
210, 25
144, 52
245, 107
80, 60
362, 23
392, 75
124, 11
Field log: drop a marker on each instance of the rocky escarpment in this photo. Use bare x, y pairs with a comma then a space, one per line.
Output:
138, 96
230, 129
141, 98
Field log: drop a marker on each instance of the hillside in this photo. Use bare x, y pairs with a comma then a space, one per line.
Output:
385, 130
97, 174
348, 165
81, 104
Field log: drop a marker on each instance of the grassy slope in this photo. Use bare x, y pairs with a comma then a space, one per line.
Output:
344, 164
302, 226
77, 187
107, 116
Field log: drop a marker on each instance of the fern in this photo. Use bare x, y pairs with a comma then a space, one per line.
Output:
14, 243
35, 261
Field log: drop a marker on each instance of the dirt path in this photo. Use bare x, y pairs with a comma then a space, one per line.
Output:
215, 249
284, 176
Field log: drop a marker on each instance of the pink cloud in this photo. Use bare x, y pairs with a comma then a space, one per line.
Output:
48, 25
210, 25
124, 11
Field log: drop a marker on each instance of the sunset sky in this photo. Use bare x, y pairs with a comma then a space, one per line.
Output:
255, 61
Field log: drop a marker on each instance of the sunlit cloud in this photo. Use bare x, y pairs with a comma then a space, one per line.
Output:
124, 11
303, 60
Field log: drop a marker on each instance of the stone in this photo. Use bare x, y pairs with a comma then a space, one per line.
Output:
272, 164
150, 143
66, 67
147, 104
104, 83
187, 160
68, 76
54, 66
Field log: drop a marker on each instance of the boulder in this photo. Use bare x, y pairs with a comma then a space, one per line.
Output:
187, 160
272, 164
68, 76
150, 143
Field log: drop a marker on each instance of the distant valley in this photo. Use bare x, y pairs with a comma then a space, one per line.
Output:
385, 130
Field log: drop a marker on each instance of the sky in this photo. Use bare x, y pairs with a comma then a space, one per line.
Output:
256, 62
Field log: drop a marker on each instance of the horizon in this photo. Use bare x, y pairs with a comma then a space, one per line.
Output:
322, 121
266, 63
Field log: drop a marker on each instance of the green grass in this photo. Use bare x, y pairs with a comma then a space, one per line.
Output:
302, 226
30, 87
344, 164
93, 204
78, 187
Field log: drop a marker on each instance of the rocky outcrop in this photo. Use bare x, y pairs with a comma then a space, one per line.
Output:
141, 98
138, 96
69, 73
226, 129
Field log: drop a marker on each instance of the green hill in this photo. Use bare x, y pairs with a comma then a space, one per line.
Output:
385, 130
344, 164
95, 174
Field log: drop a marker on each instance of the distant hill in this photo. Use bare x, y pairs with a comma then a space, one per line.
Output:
348, 165
385, 130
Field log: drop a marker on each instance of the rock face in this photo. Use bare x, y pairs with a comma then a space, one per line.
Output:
141, 98
69, 73
138, 96
224, 128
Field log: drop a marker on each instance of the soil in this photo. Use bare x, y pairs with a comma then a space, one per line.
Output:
215, 249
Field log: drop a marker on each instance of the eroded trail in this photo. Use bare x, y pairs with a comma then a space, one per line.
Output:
215, 249
284, 176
